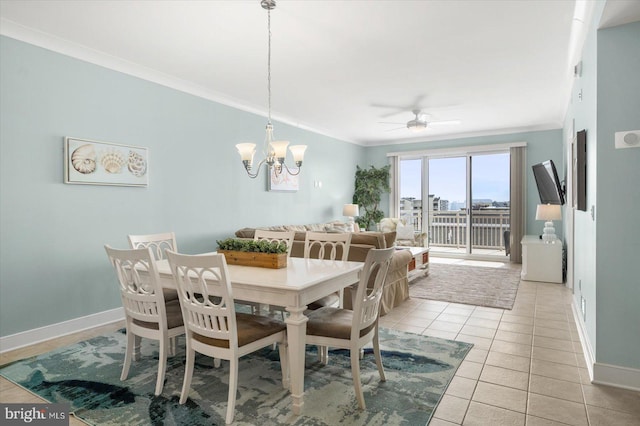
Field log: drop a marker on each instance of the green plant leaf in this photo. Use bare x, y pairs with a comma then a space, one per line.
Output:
370, 184
252, 246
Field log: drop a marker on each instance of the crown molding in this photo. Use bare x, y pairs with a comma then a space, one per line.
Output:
62, 46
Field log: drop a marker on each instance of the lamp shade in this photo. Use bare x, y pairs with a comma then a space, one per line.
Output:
350, 210
548, 212
298, 152
246, 151
279, 148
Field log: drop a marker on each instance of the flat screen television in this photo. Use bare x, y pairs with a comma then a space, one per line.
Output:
549, 186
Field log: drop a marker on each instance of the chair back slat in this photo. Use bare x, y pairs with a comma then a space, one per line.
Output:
157, 242
205, 295
141, 294
370, 286
326, 245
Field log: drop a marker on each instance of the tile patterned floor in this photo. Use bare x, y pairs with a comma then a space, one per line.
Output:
526, 368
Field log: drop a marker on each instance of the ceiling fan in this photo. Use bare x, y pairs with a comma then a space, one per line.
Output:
419, 123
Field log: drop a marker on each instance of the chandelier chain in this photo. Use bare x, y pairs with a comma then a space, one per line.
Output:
269, 62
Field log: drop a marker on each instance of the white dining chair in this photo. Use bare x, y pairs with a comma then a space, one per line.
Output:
286, 237
353, 329
147, 313
327, 245
158, 243
212, 325
276, 236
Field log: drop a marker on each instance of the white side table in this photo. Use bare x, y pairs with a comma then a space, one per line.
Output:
541, 261
419, 265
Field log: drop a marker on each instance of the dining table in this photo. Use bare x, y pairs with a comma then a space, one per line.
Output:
293, 287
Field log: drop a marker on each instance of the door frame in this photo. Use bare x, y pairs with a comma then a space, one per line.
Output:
396, 157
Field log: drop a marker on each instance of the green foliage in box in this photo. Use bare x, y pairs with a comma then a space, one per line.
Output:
252, 246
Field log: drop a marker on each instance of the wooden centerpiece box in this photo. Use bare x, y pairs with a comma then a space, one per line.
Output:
261, 254
260, 260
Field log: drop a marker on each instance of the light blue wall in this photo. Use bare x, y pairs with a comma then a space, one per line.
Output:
618, 208
606, 266
541, 146
583, 112
52, 262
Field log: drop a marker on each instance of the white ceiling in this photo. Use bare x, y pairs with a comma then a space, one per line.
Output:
338, 67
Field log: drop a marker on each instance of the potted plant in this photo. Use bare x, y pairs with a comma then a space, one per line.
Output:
260, 253
370, 184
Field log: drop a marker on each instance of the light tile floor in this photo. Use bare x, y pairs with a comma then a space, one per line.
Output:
526, 368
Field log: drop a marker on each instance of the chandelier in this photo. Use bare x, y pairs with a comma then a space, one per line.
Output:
274, 151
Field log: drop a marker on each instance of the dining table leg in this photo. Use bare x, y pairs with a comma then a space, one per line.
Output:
296, 337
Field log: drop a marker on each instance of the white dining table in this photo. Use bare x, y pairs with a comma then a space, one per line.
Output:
294, 287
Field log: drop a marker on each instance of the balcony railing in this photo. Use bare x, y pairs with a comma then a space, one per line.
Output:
448, 228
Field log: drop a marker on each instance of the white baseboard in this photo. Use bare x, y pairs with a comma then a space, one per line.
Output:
37, 335
614, 375
589, 356
599, 373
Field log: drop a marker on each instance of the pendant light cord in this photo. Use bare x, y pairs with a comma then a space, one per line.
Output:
269, 62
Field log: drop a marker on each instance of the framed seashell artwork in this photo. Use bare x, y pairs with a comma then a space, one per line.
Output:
90, 162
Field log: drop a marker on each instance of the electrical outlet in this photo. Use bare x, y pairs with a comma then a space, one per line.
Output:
583, 308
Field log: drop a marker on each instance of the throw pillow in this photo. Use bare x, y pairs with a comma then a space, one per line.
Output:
337, 227
404, 232
388, 224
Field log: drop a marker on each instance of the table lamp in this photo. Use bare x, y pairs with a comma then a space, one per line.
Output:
549, 213
350, 210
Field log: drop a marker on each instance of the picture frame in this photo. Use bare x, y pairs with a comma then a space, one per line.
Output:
284, 181
90, 162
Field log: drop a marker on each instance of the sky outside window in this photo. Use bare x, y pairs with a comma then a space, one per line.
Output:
447, 178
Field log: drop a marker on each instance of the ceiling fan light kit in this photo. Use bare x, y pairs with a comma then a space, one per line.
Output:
417, 124
420, 123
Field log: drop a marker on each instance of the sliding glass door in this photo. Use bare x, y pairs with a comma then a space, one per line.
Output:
467, 201
411, 193
448, 212
490, 203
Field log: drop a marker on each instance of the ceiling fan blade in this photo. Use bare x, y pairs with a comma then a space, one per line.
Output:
389, 122
444, 123
399, 109
397, 128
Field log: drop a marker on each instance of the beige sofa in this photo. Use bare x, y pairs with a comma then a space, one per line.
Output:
396, 287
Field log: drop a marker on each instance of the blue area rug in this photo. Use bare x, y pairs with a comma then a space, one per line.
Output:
87, 375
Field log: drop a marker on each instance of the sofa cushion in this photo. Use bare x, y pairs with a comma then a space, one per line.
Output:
245, 232
390, 238
374, 239
297, 228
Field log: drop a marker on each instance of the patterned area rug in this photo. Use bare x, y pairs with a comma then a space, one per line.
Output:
87, 375
471, 285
